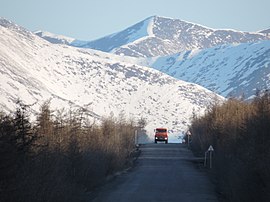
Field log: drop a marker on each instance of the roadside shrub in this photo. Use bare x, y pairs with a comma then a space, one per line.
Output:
239, 133
60, 155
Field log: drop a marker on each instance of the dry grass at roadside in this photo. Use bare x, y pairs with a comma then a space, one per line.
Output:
61, 155
239, 132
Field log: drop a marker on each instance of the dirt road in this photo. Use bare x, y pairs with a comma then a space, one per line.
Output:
163, 172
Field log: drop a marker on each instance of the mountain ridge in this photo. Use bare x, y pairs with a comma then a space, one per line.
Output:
54, 38
159, 36
229, 70
35, 70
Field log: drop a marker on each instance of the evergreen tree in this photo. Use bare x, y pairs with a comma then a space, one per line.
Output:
23, 129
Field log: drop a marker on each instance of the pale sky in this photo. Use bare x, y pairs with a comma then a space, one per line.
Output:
92, 19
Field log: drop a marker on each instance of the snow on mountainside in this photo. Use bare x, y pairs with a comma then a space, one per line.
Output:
54, 38
230, 70
35, 70
108, 43
266, 32
157, 36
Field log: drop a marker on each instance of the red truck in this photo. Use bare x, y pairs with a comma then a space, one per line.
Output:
161, 134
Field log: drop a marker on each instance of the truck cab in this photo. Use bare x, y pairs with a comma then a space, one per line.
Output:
161, 134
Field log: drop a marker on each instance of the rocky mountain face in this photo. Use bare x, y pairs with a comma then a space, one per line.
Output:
159, 36
34, 70
195, 54
229, 70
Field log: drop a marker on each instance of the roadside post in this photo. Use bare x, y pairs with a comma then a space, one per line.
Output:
188, 136
210, 151
136, 137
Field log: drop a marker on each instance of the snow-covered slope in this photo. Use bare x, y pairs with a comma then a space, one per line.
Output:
266, 32
54, 38
156, 36
230, 70
35, 70
110, 42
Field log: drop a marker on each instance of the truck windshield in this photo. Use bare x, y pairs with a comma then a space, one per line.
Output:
159, 130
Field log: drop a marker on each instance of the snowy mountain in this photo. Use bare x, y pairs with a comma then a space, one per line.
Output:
266, 32
159, 36
229, 70
35, 70
54, 38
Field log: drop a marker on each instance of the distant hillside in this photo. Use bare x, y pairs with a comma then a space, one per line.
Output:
54, 38
35, 70
266, 32
157, 36
229, 70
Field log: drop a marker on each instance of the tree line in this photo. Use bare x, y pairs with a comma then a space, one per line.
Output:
239, 131
62, 154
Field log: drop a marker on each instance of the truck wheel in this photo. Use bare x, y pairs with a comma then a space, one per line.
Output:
166, 141
155, 141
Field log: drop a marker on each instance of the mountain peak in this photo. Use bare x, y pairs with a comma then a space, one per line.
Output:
159, 17
159, 36
167, 36
84, 78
